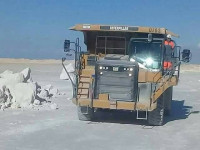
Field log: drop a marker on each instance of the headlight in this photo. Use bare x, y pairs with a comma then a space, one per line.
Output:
100, 67
149, 61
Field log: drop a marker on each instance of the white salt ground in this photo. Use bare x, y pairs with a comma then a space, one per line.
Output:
61, 130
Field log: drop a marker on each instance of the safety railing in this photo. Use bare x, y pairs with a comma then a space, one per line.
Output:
77, 64
168, 73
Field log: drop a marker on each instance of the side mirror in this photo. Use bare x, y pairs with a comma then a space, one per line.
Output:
67, 46
186, 55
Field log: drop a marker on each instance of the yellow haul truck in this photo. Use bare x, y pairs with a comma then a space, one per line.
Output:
125, 68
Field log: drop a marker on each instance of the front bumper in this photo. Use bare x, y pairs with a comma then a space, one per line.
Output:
118, 105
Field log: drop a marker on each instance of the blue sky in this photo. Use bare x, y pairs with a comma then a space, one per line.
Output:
37, 28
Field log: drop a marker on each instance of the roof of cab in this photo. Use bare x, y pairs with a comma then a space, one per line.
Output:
121, 28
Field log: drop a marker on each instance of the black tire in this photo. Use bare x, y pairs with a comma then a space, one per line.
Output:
168, 100
84, 114
156, 116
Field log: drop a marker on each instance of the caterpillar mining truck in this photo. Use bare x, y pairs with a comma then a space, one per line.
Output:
124, 68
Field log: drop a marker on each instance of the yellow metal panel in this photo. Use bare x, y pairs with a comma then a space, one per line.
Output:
173, 34
84, 102
126, 105
142, 76
87, 72
147, 76
103, 96
101, 104
121, 28
120, 105
167, 83
152, 30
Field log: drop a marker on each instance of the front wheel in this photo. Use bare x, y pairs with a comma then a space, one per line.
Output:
156, 116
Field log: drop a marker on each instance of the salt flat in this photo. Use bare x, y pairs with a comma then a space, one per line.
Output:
61, 130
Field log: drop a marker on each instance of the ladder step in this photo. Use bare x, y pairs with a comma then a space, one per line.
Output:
83, 91
85, 80
82, 96
84, 86
82, 76
80, 87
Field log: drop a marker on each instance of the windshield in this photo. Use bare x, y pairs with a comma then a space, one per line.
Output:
146, 53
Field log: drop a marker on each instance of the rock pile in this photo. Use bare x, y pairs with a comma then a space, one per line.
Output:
18, 90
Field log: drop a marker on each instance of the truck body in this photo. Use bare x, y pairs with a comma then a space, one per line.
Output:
123, 69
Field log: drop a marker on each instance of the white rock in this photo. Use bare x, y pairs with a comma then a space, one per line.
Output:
36, 102
2, 97
3, 83
26, 74
29, 80
2, 100
17, 90
31, 106
5, 73
15, 106
47, 87
23, 94
8, 78
43, 102
54, 92
70, 69
35, 87
7, 95
3, 106
7, 104
43, 94
54, 106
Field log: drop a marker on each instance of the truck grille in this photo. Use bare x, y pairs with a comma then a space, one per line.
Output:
120, 85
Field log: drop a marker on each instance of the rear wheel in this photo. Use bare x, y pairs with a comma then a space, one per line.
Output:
156, 116
85, 113
168, 100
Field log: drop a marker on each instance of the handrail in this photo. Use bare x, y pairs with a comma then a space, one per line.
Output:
167, 73
77, 66
156, 75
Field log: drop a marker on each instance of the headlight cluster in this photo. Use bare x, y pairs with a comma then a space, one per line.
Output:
128, 69
124, 68
116, 69
104, 68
